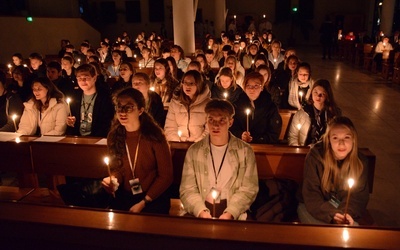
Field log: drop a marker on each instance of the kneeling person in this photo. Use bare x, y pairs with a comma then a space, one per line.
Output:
220, 169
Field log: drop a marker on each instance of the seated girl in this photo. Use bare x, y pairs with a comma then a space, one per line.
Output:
141, 162
309, 124
226, 87
186, 118
328, 167
300, 86
46, 112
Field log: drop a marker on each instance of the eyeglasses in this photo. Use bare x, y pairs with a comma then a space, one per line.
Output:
256, 87
189, 84
129, 108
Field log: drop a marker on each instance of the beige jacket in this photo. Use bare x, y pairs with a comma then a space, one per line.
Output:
191, 122
52, 122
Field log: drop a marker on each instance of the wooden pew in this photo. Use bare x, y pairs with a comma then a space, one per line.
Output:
48, 227
16, 158
71, 156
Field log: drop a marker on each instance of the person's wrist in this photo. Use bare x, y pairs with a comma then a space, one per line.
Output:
146, 201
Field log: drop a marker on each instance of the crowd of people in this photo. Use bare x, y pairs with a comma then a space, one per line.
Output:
225, 96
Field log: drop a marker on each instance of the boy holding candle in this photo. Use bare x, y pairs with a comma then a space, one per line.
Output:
328, 167
219, 177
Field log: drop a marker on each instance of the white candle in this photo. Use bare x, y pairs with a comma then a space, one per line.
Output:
107, 162
14, 116
247, 119
350, 182
301, 96
214, 195
69, 107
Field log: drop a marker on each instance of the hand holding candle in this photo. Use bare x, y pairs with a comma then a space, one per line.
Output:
14, 116
214, 194
107, 162
350, 182
301, 96
247, 119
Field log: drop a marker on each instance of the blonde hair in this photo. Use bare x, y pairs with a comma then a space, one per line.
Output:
352, 166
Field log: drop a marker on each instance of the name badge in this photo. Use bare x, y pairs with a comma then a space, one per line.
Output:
136, 188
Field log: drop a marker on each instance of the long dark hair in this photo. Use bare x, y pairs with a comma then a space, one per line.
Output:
329, 104
117, 135
52, 92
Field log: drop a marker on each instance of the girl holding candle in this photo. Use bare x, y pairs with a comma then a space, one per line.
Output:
140, 158
186, 110
226, 83
265, 123
46, 112
162, 80
300, 86
309, 124
328, 166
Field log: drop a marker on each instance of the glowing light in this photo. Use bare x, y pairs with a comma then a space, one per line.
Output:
345, 235
152, 88
350, 182
298, 126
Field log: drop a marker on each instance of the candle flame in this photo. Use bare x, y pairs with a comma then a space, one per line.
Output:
247, 111
214, 194
17, 140
298, 126
350, 181
225, 95
9, 66
152, 88
179, 133
300, 93
106, 160
68, 100
14, 116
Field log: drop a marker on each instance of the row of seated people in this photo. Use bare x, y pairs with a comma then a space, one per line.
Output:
50, 112
264, 125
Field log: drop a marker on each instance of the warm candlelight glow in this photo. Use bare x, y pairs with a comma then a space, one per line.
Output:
179, 134
17, 140
350, 181
252, 61
152, 88
274, 60
225, 95
9, 66
13, 117
263, 16
106, 161
68, 100
345, 235
25, 65
298, 126
248, 111
214, 194
134, 55
247, 119
234, 16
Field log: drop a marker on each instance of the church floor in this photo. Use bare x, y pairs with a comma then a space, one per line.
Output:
371, 103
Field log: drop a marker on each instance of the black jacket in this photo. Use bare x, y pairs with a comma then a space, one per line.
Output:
265, 123
103, 113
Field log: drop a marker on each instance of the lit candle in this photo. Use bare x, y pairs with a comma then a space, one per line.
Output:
274, 60
234, 16
152, 89
225, 95
350, 182
107, 162
214, 195
134, 55
14, 116
79, 61
179, 134
247, 119
263, 16
26, 66
69, 107
209, 46
298, 126
252, 61
9, 68
301, 96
